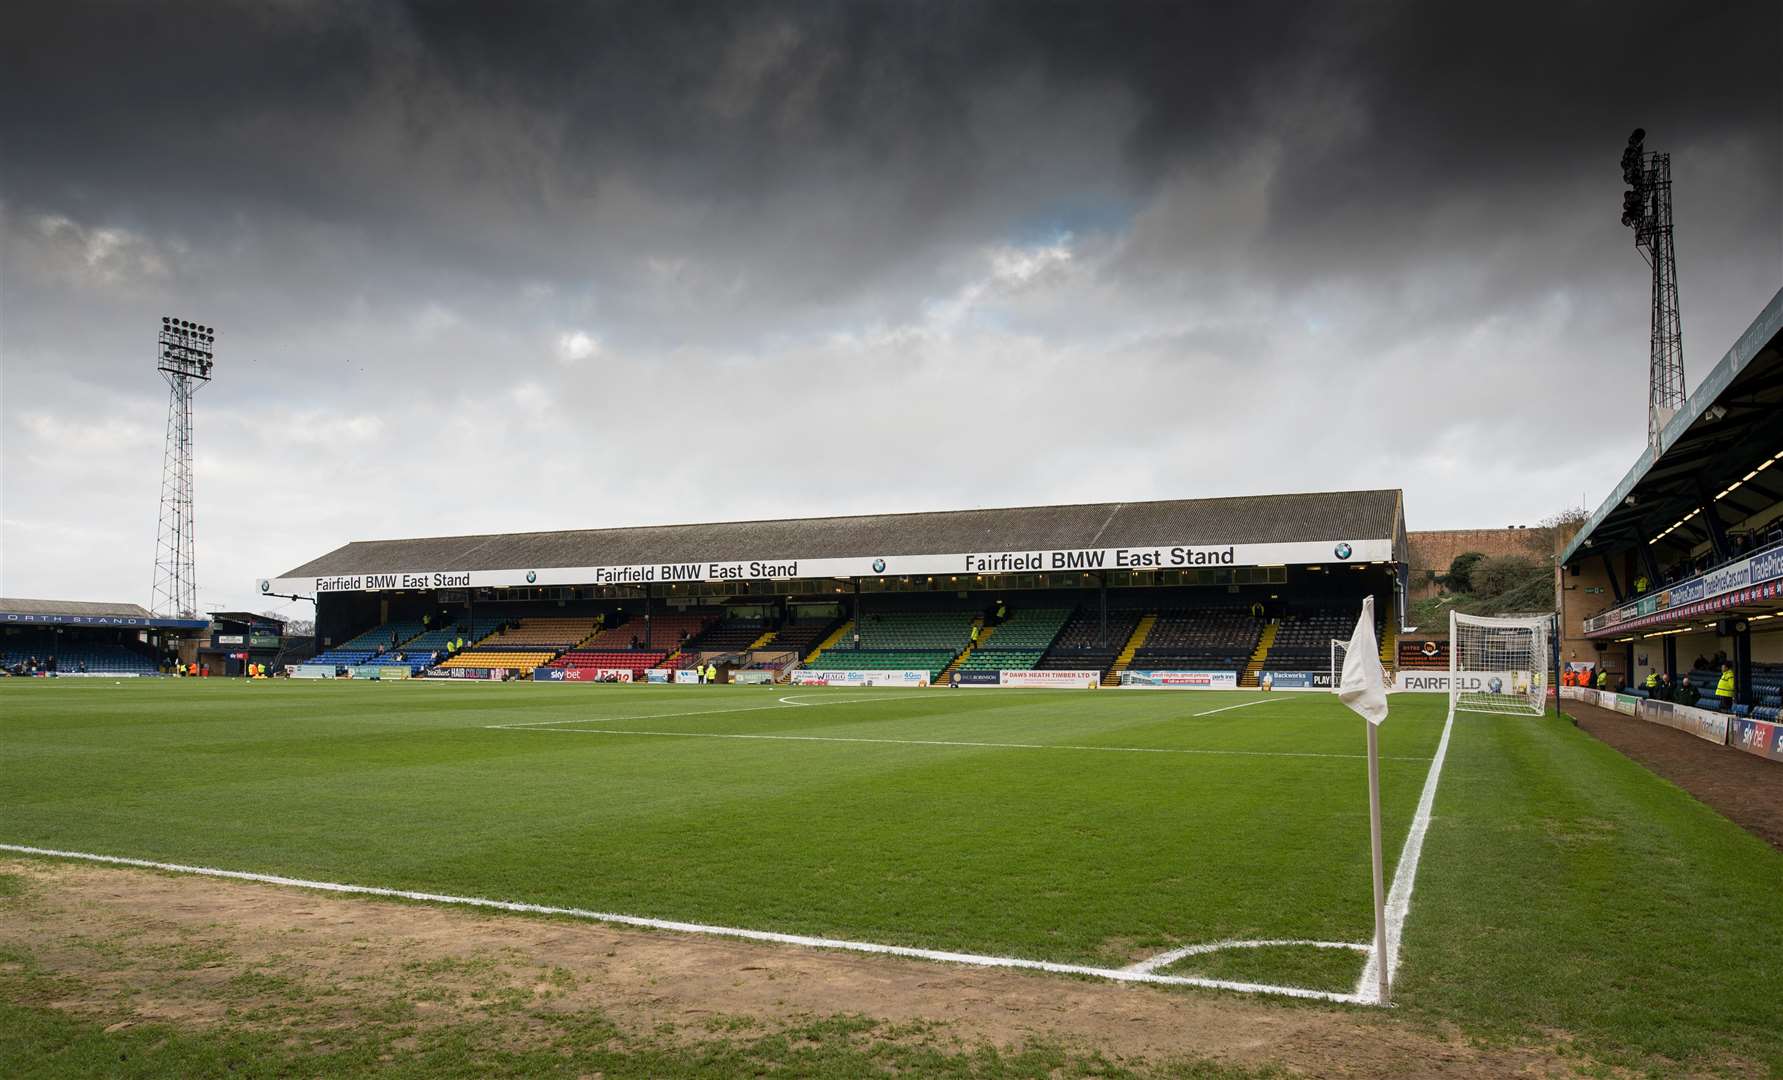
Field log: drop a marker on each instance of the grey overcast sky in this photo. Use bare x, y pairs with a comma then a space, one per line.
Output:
513, 267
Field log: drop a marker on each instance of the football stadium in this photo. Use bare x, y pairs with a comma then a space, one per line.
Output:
1061, 724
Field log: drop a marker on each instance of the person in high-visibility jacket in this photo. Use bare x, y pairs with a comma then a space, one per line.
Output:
1724, 687
1652, 680
1640, 584
711, 673
1603, 680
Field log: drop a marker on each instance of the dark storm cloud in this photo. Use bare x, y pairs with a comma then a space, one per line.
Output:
431, 227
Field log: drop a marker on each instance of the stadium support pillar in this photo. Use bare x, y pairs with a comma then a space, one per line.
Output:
1742, 660
860, 616
646, 616
1650, 566
1609, 569
1101, 607
1712, 522
1671, 657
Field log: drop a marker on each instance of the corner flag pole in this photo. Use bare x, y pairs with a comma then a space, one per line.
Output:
1374, 828
1364, 690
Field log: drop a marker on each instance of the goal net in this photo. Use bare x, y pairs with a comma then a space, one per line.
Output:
1338, 649
1498, 665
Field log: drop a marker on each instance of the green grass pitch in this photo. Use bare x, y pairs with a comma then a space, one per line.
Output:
1561, 886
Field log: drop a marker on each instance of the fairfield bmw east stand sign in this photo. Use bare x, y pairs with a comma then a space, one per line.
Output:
1162, 557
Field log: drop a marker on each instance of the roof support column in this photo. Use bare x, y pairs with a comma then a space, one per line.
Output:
1712, 520
1609, 569
1742, 660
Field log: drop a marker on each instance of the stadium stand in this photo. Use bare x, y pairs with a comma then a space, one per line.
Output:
1202, 639
666, 632
363, 647
1303, 639
416, 653
726, 635
1083, 645
802, 637
1018, 643
69, 655
525, 645
636, 661
908, 640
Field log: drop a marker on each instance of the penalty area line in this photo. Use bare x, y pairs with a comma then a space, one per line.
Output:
775, 937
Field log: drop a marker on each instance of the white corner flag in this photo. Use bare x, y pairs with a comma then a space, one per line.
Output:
1362, 687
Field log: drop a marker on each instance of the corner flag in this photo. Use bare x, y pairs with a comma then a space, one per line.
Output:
1362, 688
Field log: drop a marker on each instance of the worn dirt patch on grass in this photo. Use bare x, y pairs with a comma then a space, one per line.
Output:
137, 945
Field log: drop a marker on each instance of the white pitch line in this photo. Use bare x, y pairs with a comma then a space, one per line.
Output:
1165, 959
807, 941
937, 742
1405, 874
785, 703
1240, 705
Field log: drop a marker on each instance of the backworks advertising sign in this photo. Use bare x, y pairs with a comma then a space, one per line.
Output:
1162, 557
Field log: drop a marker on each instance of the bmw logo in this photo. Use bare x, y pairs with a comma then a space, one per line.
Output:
879, 566
1343, 551
532, 576
265, 585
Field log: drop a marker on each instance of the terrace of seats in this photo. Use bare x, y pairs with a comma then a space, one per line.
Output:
801, 637
1303, 639
525, 645
1200, 639
727, 635
416, 653
362, 647
1018, 643
906, 640
70, 654
635, 661
666, 631
1083, 645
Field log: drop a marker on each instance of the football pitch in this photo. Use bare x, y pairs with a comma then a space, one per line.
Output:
1113, 831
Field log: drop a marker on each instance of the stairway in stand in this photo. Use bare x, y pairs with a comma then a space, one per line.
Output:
983, 633
1248, 677
760, 641
841, 634
1112, 677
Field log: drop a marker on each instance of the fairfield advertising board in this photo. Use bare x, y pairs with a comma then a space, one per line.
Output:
1160, 557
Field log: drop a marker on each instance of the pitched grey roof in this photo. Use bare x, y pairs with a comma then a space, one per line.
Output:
72, 607
1254, 519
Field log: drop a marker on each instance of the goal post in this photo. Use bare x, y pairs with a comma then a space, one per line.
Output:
1498, 664
1338, 649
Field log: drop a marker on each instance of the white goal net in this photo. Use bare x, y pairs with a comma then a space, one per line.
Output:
1498, 665
1338, 649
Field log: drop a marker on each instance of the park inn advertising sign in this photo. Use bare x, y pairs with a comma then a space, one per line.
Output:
1161, 557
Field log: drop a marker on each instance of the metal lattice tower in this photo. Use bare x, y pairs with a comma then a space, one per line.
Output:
184, 359
1647, 209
